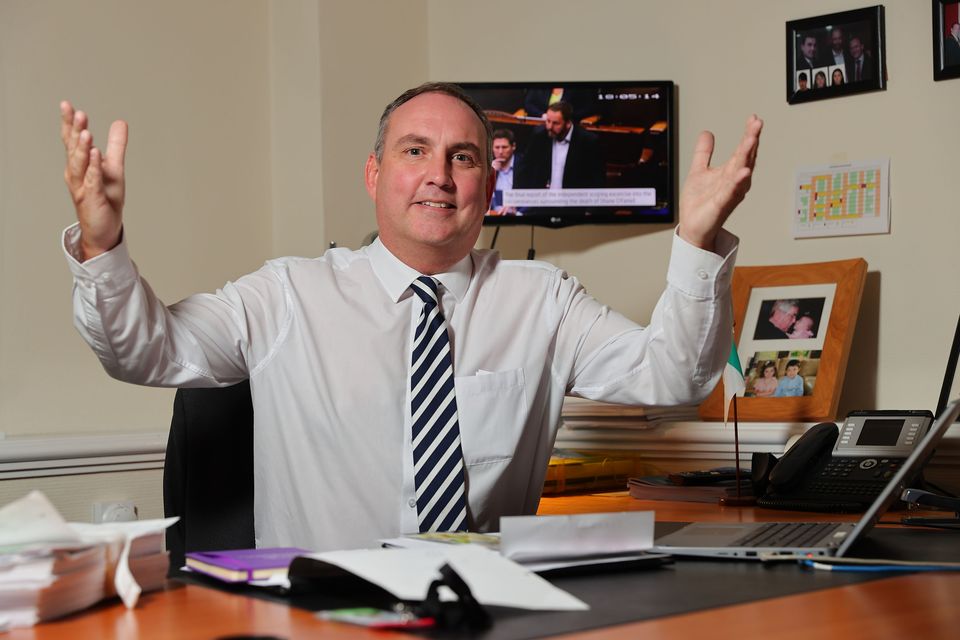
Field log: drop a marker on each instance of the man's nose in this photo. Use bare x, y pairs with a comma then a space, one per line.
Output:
439, 172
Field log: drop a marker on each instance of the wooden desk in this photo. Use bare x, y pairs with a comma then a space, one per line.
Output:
914, 606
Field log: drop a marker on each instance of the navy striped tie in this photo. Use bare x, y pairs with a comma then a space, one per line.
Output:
437, 457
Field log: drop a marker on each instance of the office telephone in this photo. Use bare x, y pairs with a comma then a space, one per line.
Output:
840, 469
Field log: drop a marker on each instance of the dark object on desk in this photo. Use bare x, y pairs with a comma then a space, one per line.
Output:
788, 480
710, 476
208, 471
462, 614
661, 488
925, 498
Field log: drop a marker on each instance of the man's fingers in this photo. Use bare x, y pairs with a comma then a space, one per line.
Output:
79, 160
746, 154
116, 146
66, 122
703, 152
93, 179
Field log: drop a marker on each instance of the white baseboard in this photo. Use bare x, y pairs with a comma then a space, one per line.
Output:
37, 456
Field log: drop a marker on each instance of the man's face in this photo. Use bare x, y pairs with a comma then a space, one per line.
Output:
809, 47
803, 84
793, 371
557, 127
836, 39
783, 319
432, 185
503, 149
856, 48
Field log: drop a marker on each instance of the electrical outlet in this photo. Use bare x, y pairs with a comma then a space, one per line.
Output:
122, 511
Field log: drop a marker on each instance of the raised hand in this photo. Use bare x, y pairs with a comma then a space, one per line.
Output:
95, 180
710, 194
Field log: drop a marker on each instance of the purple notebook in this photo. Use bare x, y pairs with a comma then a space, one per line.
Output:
243, 565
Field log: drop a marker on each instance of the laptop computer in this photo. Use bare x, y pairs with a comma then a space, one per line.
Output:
751, 539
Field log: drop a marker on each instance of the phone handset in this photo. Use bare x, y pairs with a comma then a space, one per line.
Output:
804, 457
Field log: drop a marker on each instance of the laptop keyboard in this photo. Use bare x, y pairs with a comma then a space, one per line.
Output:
786, 534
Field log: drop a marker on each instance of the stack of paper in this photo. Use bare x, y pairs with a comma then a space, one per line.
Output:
546, 543
49, 568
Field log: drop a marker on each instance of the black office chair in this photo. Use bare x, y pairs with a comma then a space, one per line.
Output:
208, 471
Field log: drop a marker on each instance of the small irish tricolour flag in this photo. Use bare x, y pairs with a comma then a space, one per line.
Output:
733, 384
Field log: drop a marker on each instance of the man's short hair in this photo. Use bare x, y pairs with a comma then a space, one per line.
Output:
564, 108
505, 134
446, 88
802, 76
793, 363
785, 305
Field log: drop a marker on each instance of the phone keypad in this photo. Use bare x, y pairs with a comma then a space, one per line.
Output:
854, 476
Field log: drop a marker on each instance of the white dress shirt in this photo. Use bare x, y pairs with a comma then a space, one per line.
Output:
561, 148
326, 342
505, 176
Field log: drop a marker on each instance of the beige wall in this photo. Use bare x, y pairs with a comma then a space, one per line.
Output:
191, 79
250, 121
727, 59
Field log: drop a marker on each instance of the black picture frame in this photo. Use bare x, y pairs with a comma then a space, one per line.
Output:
812, 64
946, 46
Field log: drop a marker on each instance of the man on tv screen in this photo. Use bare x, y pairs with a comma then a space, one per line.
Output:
415, 384
561, 155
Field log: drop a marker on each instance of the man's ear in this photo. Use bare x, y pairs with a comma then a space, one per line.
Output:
371, 171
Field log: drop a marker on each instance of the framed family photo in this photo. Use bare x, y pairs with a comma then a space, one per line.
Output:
793, 328
946, 39
834, 55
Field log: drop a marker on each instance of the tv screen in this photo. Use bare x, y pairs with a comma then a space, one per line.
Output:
581, 152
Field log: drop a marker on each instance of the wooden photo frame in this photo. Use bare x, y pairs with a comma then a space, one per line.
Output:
797, 320
946, 39
837, 54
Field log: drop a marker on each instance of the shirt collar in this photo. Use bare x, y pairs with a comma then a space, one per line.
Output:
395, 276
566, 138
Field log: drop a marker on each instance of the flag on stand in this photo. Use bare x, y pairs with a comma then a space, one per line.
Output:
733, 383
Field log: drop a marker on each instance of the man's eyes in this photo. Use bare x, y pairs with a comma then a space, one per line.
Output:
460, 157
464, 158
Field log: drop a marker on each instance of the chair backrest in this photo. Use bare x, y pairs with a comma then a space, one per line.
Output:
208, 471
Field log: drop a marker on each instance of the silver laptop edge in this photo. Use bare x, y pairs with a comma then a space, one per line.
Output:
840, 538
912, 465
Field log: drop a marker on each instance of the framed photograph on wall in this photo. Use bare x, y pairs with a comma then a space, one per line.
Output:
946, 39
793, 326
837, 54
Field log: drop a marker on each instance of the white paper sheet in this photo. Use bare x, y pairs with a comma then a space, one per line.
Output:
33, 520
493, 580
536, 538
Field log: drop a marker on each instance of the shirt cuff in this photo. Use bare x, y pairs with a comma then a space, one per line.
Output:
700, 273
110, 271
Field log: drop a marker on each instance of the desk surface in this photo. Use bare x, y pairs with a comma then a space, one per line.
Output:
918, 605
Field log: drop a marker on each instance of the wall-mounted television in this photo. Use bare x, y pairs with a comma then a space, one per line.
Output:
616, 163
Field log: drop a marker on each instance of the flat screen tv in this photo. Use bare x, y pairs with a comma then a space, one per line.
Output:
620, 164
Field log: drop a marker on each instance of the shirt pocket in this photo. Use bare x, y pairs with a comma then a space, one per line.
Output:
492, 409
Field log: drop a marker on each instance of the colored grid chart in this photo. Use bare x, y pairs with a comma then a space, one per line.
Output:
842, 200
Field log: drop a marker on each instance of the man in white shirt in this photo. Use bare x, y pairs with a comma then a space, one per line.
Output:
326, 342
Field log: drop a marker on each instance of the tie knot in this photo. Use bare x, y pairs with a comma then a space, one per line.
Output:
426, 289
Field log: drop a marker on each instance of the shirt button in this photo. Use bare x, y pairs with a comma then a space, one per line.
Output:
703, 275
411, 503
